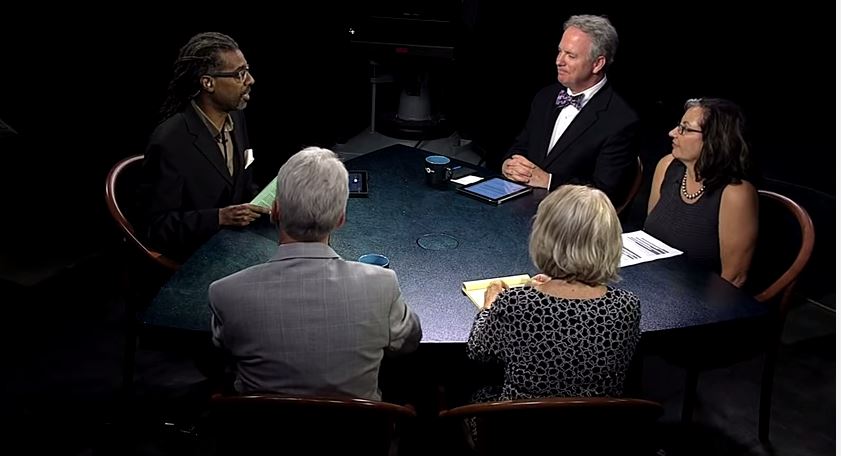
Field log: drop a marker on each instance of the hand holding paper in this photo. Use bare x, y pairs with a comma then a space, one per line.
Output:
240, 214
493, 290
475, 289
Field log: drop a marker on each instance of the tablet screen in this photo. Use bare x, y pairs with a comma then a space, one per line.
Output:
495, 189
357, 183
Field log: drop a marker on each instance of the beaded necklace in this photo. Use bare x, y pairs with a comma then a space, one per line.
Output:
690, 196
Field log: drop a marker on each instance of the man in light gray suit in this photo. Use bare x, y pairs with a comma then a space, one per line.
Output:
307, 321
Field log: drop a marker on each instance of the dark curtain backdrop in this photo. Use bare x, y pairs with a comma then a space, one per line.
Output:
83, 92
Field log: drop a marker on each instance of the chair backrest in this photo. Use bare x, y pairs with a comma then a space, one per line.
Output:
121, 185
633, 190
571, 425
784, 246
303, 424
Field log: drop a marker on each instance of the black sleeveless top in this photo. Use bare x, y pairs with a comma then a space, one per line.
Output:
692, 228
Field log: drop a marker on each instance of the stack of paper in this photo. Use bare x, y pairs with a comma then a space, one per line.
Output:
475, 289
639, 247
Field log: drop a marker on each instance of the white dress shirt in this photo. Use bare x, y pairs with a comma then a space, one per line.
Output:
568, 113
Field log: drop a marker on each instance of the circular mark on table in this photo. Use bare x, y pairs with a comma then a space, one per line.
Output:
439, 241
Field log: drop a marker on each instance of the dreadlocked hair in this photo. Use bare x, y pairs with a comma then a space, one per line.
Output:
199, 56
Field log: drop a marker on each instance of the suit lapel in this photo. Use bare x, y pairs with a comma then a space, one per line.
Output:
554, 112
582, 122
238, 145
205, 143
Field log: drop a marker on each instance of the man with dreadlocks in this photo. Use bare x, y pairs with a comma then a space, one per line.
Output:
196, 174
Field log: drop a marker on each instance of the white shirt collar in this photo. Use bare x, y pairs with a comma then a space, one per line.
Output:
588, 93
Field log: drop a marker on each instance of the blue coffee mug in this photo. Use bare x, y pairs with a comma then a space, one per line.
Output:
374, 258
438, 171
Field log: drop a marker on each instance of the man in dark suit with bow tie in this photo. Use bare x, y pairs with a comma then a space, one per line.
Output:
579, 131
196, 174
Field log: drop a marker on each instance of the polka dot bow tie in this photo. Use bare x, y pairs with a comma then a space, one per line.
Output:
565, 99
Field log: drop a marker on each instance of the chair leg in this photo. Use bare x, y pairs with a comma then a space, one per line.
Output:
689, 395
633, 379
765, 394
129, 353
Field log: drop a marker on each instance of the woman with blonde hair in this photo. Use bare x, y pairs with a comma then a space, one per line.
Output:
569, 333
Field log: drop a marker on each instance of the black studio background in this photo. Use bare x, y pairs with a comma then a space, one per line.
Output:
83, 90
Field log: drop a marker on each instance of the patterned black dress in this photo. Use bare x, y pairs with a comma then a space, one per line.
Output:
556, 347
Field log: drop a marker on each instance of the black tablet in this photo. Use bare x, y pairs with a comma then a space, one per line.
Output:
357, 183
495, 190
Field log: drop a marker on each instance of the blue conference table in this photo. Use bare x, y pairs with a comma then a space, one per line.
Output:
437, 239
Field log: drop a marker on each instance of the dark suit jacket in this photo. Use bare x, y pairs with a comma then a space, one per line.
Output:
598, 148
185, 182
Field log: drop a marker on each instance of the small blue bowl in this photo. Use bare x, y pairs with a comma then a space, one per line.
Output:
374, 258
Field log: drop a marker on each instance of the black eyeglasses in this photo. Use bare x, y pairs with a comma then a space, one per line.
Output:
682, 129
239, 75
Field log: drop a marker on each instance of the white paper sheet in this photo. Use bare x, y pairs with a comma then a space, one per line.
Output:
467, 180
640, 247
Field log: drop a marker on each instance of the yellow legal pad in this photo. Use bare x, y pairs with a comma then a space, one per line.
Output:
475, 289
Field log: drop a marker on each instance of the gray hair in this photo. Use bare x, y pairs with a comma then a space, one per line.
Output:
601, 32
312, 193
576, 235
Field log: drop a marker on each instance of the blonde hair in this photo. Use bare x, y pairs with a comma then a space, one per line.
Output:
576, 235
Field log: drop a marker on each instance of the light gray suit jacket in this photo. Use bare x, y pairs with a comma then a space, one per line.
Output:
309, 322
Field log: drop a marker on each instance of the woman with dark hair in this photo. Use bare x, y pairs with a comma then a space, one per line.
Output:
700, 200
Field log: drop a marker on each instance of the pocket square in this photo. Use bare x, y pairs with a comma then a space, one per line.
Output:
249, 157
